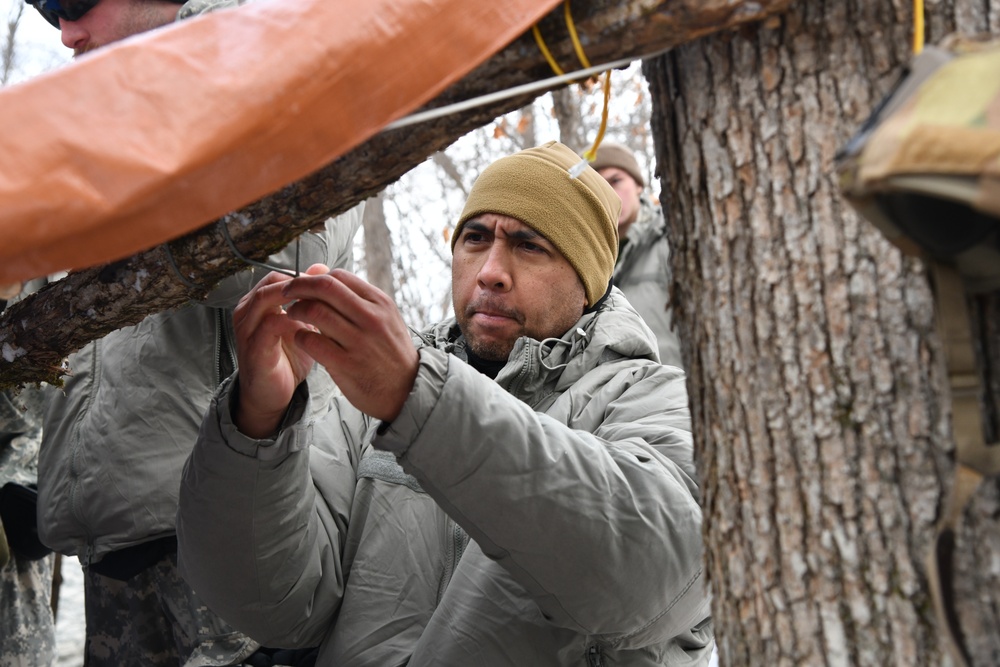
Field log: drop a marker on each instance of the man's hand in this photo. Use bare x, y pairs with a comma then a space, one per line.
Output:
271, 365
357, 333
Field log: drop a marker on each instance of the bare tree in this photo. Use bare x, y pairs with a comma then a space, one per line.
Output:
818, 390
569, 117
452, 171
9, 50
378, 247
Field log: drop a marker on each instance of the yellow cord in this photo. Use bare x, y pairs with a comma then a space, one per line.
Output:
545, 51
577, 46
918, 26
591, 154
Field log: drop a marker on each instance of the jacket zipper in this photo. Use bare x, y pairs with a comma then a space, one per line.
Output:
75, 452
457, 548
459, 536
224, 349
513, 385
594, 657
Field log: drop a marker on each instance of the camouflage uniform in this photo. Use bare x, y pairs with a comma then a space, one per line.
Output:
196, 7
27, 629
119, 621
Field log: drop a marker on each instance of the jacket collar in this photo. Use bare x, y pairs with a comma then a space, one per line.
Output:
537, 368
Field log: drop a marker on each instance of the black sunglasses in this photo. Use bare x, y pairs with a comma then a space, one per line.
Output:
69, 10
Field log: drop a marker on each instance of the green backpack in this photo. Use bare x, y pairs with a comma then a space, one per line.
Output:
925, 170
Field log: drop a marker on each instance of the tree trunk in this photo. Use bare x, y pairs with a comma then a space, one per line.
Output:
818, 386
37, 333
378, 246
569, 119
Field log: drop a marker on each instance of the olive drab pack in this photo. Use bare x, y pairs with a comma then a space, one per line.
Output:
925, 170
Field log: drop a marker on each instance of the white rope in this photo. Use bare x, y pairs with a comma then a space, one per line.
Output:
483, 100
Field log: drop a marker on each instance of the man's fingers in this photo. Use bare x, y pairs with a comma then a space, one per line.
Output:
362, 288
317, 270
320, 317
264, 299
341, 289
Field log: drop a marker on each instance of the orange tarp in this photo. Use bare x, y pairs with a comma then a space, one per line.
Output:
155, 136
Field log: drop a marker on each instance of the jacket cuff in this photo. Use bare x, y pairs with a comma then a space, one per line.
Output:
396, 437
288, 434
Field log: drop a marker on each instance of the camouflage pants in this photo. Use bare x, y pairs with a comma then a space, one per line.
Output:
155, 619
27, 631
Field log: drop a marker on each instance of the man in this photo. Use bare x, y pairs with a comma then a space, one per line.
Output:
116, 437
517, 489
643, 268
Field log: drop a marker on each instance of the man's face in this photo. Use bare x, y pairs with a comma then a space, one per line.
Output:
510, 281
112, 20
628, 190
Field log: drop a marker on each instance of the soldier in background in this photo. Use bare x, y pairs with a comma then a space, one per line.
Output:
643, 268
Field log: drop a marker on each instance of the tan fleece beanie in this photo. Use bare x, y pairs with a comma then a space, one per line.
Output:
578, 215
610, 154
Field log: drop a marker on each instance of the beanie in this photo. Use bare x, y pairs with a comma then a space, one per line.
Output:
610, 154
579, 216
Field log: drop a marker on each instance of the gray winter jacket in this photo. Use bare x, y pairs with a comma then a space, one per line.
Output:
549, 517
115, 438
642, 272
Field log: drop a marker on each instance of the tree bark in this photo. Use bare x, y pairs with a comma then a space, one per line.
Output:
817, 381
37, 333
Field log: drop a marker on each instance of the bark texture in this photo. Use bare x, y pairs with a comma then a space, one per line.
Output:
37, 333
817, 382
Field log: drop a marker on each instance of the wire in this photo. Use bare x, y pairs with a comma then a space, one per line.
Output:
483, 100
262, 265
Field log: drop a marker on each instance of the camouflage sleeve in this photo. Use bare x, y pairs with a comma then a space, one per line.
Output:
20, 435
196, 7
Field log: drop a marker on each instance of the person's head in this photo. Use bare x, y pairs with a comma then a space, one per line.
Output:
533, 249
617, 164
90, 24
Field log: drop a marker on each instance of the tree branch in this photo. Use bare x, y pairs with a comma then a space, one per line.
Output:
37, 333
